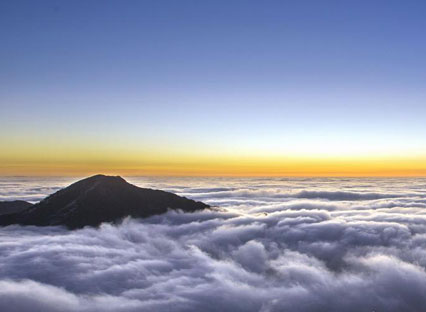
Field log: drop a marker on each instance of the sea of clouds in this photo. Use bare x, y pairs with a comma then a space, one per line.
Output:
269, 245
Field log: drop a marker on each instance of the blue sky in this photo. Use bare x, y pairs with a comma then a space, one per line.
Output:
283, 77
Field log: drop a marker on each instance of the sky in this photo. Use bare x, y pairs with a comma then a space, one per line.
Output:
291, 88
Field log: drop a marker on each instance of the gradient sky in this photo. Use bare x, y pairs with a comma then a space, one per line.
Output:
213, 87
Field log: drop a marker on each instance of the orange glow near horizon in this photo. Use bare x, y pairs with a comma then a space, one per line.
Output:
236, 166
82, 156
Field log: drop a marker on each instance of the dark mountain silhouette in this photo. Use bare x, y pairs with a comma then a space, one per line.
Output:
98, 199
15, 206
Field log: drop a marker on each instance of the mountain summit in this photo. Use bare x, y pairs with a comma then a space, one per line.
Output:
98, 199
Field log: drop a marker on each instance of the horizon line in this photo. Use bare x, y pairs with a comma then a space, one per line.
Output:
211, 176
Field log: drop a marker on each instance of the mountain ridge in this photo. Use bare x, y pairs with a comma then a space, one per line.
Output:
97, 199
13, 206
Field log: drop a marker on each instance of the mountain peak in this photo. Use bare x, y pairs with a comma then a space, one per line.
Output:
103, 177
100, 198
100, 179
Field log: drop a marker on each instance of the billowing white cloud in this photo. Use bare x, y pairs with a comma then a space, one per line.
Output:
259, 251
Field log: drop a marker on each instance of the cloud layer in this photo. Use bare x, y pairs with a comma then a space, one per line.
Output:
272, 245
